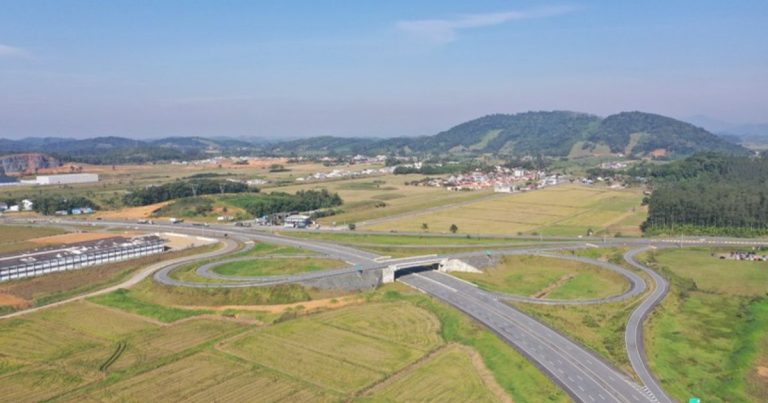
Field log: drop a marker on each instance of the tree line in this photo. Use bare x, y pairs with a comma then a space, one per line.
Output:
277, 202
180, 189
709, 194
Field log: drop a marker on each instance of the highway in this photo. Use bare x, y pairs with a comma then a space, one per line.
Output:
578, 370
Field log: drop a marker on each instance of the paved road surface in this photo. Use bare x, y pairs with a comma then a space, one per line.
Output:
583, 375
634, 335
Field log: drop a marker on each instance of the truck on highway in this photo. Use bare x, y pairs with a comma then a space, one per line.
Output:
175, 220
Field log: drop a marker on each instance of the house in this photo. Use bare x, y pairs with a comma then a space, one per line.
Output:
297, 221
27, 205
13, 209
3, 206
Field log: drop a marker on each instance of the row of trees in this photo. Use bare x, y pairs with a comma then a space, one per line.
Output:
180, 189
304, 200
710, 194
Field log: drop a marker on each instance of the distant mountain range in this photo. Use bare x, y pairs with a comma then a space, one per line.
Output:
556, 134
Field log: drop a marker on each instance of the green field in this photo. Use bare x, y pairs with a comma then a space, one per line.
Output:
123, 299
274, 267
566, 210
715, 320
549, 278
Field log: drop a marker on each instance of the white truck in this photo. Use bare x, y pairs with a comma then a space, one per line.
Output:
174, 220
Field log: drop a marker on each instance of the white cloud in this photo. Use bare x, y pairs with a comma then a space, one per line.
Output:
446, 30
10, 51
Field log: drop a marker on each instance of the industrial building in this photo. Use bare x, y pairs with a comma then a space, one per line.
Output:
78, 255
66, 179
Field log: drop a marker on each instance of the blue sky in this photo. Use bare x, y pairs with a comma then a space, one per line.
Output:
285, 69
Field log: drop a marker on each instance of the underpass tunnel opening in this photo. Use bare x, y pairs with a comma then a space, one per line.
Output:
416, 269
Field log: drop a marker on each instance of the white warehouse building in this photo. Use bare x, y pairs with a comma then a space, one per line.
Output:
66, 179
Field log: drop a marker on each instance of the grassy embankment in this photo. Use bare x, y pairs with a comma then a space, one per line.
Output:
549, 278
709, 338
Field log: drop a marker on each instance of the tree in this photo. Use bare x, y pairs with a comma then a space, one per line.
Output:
453, 228
352, 226
424, 226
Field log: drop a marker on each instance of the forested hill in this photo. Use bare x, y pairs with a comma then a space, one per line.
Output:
557, 133
708, 194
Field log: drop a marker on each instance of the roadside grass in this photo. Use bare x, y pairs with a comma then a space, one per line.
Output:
516, 375
715, 321
151, 292
566, 210
123, 299
744, 278
273, 267
559, 279
399, 240
599, 327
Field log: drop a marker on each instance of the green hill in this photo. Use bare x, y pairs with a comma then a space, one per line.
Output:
556, 133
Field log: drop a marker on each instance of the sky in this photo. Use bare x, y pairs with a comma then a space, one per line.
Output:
288, 69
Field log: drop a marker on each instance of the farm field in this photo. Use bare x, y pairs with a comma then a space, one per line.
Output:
376, 197
551, 278
15, 238
399, 341
36, 366
275, 267
565, 210
715, 320
451, 375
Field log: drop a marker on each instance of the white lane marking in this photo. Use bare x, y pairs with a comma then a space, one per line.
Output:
436, 282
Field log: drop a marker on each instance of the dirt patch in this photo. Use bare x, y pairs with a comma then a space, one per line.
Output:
328, 303
14, 301
75, 237
131, 213
181, 241
762, 372
557, 284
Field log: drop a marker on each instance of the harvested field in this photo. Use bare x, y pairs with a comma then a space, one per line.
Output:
206, 377
565, 210
338, 341
449, 376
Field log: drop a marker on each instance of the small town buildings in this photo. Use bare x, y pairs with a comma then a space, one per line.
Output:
27, 205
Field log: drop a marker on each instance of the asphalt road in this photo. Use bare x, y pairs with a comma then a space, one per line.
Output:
634, 335
580, 372
583, 375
